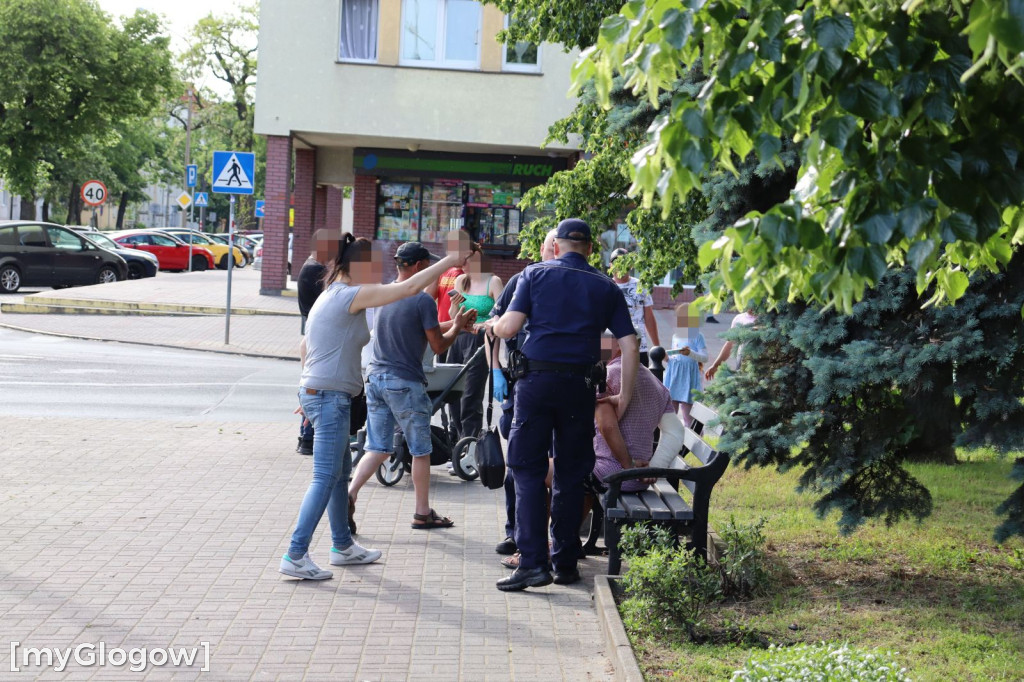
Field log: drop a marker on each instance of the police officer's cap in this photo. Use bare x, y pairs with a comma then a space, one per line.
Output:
413, 252
573, 229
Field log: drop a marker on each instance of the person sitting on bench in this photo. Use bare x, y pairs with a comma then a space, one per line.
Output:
629, 443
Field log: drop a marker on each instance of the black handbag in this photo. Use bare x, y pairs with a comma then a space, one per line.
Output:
490, 460
357, 413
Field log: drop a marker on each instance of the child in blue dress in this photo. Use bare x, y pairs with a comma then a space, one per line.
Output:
683, 374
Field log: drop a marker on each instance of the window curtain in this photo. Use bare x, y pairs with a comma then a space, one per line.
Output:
359, 29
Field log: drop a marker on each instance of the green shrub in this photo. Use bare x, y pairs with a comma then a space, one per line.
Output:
669, 587
743, 564
642, 538
820, 663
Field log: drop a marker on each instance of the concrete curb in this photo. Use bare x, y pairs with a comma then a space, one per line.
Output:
38, 309
620, 651
132, 307
248, 354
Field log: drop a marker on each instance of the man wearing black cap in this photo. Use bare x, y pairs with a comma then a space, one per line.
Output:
568, 305
396, 384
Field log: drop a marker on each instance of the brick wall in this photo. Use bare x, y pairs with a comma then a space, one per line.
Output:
364, 206
663, 298
275, 222
332, 219
303, 202
320, 208
334, 201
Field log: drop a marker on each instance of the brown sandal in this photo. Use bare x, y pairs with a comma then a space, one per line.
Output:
431, 520
511, 561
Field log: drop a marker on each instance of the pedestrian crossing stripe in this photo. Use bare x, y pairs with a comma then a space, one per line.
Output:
232, 176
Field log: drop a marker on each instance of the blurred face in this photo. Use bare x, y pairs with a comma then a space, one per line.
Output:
368, 268
609, 346
479, 267
457, 240
688, 320
327, 245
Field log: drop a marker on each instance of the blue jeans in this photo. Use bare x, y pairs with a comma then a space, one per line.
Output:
329, 412
389, 399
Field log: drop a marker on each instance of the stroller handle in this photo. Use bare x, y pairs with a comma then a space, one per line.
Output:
447, 389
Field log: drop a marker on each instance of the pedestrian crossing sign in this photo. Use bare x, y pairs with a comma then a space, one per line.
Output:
201, 200
233, 172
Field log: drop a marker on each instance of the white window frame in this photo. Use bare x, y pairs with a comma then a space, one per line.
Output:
519, 68
376, 38
440, 41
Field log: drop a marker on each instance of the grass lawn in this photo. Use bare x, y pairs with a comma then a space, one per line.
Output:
941, 595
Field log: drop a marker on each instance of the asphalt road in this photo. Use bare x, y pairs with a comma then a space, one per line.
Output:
46, 376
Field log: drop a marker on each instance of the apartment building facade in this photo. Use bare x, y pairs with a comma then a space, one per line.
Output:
413, 103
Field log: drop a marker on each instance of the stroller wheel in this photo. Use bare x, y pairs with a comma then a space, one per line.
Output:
464, 459
390, 472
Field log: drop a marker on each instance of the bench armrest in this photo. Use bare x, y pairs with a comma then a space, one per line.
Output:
640, 472
703, 477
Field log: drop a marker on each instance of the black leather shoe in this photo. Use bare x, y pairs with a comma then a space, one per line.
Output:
305, 447
566, 577
506, 547
522, 578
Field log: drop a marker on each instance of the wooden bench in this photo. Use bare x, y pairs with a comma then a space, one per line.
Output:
662, 502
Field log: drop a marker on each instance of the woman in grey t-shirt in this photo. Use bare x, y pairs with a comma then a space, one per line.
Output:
336, 331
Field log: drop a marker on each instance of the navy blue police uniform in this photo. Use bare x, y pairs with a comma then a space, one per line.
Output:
568, 305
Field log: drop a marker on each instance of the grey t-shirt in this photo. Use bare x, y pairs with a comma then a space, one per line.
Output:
334, 339
400, 339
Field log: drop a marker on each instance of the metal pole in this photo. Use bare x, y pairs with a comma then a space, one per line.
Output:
188, 154
188, 157
231, 262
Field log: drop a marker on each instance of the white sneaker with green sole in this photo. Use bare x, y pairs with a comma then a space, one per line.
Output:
303, 568
353, 554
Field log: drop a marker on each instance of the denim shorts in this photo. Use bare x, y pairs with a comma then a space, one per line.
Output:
391, 399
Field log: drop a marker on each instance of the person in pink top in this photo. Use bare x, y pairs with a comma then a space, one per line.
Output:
629, 443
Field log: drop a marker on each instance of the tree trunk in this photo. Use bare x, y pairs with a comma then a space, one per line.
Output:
122, 206
28, 208
72, 195
46, 211
936, 418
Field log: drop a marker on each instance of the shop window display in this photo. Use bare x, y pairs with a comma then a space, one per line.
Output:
492, 212
398, 211
442, 208
426, 210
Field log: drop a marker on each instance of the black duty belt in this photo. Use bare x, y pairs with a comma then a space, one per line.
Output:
539, 366
519, 365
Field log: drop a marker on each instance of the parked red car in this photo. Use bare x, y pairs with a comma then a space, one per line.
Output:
170, 251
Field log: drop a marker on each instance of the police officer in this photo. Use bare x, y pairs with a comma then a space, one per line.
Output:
568, 305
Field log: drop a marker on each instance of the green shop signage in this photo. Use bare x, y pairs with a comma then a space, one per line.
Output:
465, 166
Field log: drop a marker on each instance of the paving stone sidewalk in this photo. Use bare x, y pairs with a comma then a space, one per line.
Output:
153, 534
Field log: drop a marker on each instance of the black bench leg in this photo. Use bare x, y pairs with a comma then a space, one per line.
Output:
611, 540
700, 526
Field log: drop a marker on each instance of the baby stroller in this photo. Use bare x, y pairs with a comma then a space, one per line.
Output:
445, 384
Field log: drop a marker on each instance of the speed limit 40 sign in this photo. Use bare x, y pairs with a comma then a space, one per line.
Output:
94, 192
